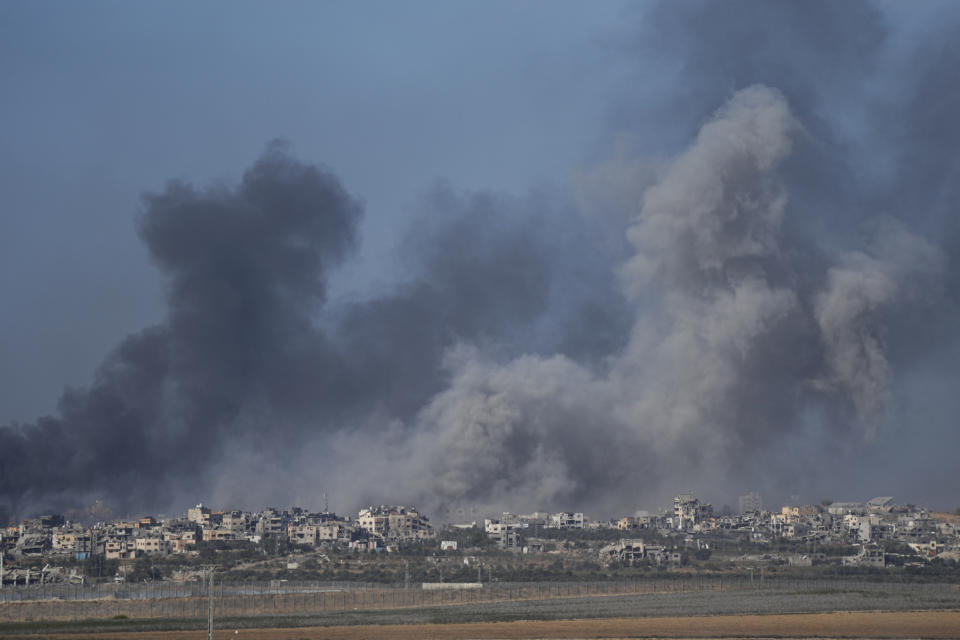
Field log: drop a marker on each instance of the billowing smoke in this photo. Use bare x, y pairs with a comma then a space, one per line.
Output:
250, 363
747, 293
729, 347
245, 269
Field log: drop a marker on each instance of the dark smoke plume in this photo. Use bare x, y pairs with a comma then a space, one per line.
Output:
246, 269
249, 357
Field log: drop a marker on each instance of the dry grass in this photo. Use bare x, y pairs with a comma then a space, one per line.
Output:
910, 624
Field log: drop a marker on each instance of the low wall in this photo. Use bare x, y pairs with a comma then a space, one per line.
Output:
429, 586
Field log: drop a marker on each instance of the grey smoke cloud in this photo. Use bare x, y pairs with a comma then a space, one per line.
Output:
727, 352
873, 95
898, 269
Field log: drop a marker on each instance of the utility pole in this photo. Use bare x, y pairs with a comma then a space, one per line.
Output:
1, 561
210, 568
406, 574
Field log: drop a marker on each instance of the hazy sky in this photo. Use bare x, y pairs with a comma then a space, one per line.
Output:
560, 248
104, 100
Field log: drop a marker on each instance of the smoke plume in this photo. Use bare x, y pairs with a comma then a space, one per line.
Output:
245, 268
727, 350
749, 291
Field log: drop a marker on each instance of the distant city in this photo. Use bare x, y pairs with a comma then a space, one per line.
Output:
874, 533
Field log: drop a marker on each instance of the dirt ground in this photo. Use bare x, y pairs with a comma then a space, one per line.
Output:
911, 624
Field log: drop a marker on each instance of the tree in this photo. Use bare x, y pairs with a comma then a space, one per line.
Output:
144, 570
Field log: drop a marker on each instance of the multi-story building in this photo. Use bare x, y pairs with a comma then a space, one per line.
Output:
181, 541
272, 523
565, 520
303, 533
150, 545
689, 511
198, 514
217, 535
119, 550
65, 540
751, 503
394, 523
236, 522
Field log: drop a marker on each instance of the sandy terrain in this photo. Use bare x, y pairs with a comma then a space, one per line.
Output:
918, 624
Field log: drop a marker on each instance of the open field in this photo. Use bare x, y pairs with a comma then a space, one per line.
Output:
918, 624
594, 609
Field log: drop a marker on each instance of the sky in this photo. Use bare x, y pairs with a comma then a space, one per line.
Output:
107, 100
551, 250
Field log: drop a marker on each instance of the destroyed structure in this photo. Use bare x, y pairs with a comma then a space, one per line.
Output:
690, 527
